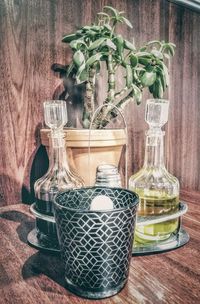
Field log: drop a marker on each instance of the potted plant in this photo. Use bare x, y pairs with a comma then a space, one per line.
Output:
95, 48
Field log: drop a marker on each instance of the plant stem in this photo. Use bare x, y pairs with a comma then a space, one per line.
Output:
104, 117
120, 94
111, 79
111, 91
127, 55
88, 109
113, 113
113, 29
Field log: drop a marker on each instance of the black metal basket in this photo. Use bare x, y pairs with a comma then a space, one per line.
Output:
96, 246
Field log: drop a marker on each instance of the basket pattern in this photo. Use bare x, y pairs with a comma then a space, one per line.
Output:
96, 246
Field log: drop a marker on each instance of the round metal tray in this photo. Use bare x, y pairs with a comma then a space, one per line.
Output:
42, 244
173, 242
176, 240
141, 220
48, 218
150, 220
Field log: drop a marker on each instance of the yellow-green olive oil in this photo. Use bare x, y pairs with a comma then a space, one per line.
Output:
153, 206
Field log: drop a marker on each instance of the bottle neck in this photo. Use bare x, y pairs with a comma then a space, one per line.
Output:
58, 156
154, 152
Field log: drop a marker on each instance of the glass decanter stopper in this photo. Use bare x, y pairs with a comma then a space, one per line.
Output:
59, 176
157, 188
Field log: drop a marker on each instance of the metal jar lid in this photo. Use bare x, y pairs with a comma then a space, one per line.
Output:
108, 175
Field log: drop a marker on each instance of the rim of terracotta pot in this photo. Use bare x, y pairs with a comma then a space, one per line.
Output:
80, 137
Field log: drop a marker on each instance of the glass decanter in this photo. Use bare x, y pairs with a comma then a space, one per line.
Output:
59, 176
157, 188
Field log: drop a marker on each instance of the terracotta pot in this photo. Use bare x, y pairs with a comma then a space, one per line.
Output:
106, 147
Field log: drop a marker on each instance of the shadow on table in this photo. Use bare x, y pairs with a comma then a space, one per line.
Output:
39, 263
48, 264
26, 223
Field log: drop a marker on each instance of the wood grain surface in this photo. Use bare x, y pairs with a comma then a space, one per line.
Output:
29, 277
30, 42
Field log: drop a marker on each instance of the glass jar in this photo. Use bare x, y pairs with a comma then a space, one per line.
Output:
158, 190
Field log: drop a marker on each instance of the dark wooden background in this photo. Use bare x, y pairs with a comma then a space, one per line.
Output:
30, 42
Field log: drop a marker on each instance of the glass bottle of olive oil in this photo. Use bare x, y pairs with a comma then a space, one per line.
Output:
157, 188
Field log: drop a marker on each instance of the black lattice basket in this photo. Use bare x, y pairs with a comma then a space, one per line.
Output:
96, 246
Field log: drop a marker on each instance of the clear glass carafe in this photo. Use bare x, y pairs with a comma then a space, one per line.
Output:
59, 176
157, 188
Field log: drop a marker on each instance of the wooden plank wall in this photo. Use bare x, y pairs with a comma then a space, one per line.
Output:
30, 42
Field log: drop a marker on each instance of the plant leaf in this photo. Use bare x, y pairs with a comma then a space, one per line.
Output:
69, 38
148, 78
82, 74
127, 21
160, 88
128, 45
157, 89
133, 60
107, 27
93, 59
154, 42
172, 44
74, 44
119, 41
166, 55
86, 27
103, 14
91, 33
157, 54
96, 44
110, 44
70, 68
137, 94
143, 61
143, 48
110, 8
163, 81
149, 68
78, 58
169, 48
96, 28
144, 54
166, 73
151, 88
135, 75
144, 57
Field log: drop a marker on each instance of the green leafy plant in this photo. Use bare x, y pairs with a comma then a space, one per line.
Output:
143, 67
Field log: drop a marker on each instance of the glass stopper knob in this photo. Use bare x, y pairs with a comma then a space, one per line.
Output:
55, 113
156, 114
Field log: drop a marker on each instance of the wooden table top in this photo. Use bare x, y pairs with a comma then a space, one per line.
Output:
28, 276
